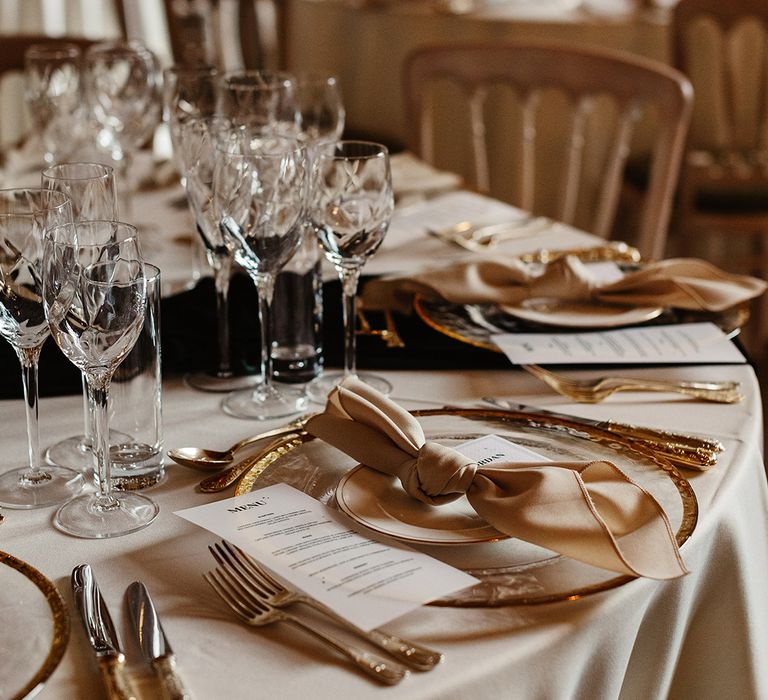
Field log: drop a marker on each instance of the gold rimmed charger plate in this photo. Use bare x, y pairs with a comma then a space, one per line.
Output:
35, 628
511, 572
475, 324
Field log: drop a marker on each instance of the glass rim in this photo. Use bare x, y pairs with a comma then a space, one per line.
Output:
281, 79
65, 49
130, 228
185, 69
221, 145
107, 171
378, 150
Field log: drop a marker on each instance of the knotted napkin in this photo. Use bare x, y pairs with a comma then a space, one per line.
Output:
682, 283
588, 511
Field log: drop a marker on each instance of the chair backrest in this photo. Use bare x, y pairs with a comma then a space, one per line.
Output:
723, 48
586, 78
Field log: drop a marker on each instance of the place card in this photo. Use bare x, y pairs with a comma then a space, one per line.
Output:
684, 343
321, 551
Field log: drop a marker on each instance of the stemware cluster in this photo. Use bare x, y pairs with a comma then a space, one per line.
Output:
265, 175
99, 105
81, 279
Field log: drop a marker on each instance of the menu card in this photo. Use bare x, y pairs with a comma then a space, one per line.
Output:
684, 343
316, 549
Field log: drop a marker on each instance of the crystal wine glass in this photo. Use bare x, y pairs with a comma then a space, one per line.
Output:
259, 194
95, 300
92, 192
53, 94
350, 206
123, 92
261, 99
197, 150
189, 92
25, 214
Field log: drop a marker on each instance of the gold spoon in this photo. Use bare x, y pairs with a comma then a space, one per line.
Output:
207, 460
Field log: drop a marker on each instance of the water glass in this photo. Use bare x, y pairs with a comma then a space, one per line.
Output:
136, 403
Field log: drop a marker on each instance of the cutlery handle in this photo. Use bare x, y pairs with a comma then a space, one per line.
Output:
372, 665
665, 436
115, 678
681, 455
415, 656
706, 393
173, 686
418, 657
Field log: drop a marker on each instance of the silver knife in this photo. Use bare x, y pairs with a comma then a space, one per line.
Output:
688, 451
153, 642
101, 634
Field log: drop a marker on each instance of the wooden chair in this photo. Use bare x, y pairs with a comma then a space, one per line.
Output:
722, 210
724, 179
586, 79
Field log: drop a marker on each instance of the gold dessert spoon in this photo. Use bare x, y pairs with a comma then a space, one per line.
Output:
208, 460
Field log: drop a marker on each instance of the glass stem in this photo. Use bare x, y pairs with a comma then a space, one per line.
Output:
222, 269
265, 285
349, 278
88, 410
28, 358
98, 395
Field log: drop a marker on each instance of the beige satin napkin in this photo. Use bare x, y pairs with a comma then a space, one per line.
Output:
588, 511
682, 283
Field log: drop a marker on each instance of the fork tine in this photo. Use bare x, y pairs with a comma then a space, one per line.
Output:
229, 561
247, 560
232, 603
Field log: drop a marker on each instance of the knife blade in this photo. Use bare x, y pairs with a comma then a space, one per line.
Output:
101, 634
153, 642
688, 451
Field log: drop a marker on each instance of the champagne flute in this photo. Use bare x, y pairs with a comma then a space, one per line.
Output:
350, 206
91, 190
259, 193
53, 94
94, 287
122, 87
189, 92
25, 214
197, 150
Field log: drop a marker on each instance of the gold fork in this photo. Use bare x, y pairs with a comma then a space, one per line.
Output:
256, 612
594, 390
255, 578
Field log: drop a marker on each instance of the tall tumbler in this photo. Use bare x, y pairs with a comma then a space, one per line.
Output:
136, 405
297, 316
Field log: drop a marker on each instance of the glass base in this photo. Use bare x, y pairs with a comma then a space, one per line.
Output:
72, 452
75, 453
204, 381
319, 388
53, 485
262, 405
94, 517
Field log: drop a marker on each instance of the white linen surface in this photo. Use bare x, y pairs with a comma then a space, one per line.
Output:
701, 636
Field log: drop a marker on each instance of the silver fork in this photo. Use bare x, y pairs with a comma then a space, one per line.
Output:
254, 611
252, 576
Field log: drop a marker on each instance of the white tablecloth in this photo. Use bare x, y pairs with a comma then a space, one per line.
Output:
702, 636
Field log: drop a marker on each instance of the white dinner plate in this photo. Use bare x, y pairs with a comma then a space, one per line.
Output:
379, 502
581, 314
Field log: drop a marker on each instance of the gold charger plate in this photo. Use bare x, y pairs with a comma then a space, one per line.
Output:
35, 628
475, 324
511, 572
562, 313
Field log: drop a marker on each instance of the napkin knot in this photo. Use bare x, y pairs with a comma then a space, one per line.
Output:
438, 475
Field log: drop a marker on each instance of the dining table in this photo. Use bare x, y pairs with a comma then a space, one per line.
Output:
702, 635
